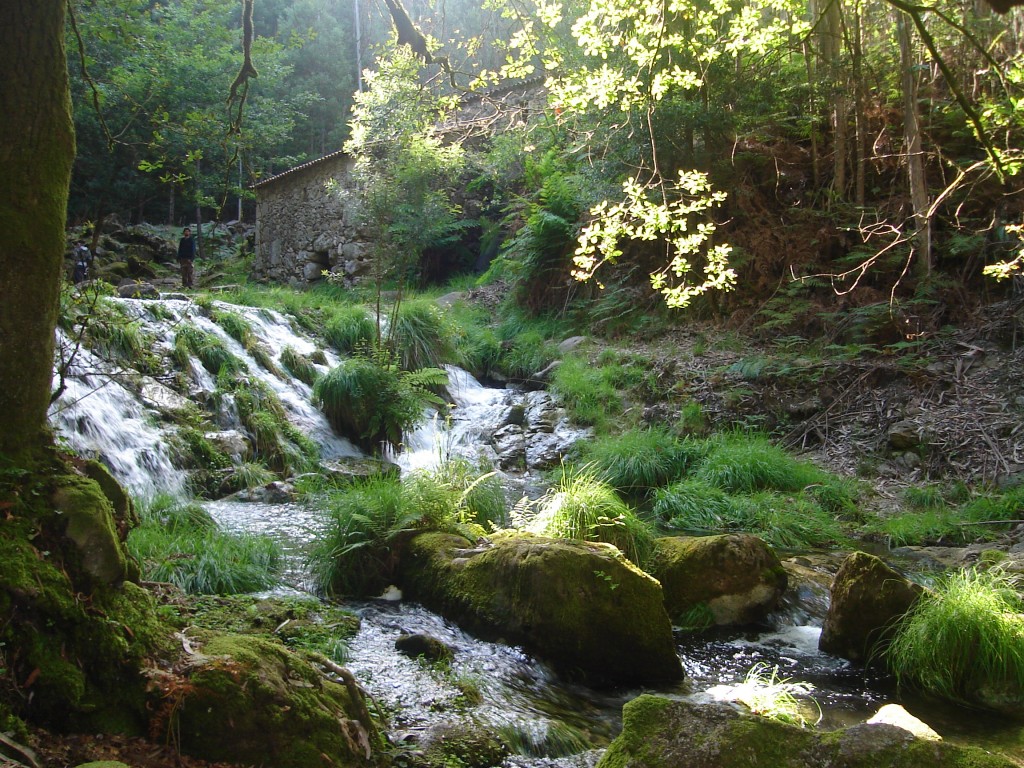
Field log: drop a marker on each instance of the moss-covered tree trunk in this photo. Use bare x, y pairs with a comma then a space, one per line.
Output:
37, 146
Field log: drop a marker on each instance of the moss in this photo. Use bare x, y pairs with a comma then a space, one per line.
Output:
581, 605
467, 746
737, 577
303, 624
663, 733
89, 518
75, 639
250, 700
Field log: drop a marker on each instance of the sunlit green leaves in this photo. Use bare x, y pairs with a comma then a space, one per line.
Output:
678, 216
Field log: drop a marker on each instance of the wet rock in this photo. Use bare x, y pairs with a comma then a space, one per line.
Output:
161, 397
357, 467
137, 289
579, 605
542, 412
894, 714
231, 442
468, 745
867, 598
545, 450
737, 577
250, 700
662, 732
516, 414
509, 444
425, 646
277, 492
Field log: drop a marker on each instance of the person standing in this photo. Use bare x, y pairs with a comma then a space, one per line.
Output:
186, 257
83, 259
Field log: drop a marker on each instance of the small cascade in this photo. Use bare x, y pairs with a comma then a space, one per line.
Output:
116, 415
100, 418
475, 414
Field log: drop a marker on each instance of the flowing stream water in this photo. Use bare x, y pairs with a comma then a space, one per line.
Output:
555, 723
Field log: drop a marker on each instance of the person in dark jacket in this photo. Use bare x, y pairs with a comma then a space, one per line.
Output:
83, 259
186, 256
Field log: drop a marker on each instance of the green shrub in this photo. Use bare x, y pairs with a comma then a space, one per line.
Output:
586, 509
963, 639
358, 552
744, 463
420, 336
640, 460
299, 366
180, 543
374, 404
350, 328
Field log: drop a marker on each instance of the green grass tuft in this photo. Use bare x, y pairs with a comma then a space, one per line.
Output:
584, 508
299, 366
350, 328
180, 543
964, 638
420, 336
640, 460
745, 463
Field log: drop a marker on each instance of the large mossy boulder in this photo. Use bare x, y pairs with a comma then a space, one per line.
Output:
251, 701
867, 599
580, 605
730, 579
77, 635
663, 733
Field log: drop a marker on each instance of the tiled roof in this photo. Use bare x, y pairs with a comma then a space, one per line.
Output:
271, 179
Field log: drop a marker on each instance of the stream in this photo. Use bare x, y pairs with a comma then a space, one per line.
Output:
498, 687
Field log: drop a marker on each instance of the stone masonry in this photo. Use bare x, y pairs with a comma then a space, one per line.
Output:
307, 223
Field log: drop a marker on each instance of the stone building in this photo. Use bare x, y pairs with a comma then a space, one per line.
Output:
306, 217
306, 223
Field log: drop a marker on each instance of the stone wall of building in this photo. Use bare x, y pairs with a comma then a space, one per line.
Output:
306, 218
307, 223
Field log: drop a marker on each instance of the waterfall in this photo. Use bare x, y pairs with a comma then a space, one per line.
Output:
120, 416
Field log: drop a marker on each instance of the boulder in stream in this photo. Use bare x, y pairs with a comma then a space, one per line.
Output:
868, 597
734, 579
580, 605
663, 733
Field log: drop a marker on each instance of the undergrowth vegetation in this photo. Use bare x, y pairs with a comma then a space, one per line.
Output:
369, 521
963, 640
178, 542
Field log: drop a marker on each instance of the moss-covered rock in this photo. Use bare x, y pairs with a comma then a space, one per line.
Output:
89, 524
76, 637
868, 597
737, 577
662, 733
467, 745
580, 605
250, 700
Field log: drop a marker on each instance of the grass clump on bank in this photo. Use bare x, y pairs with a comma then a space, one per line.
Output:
179, 543
743, 483
350, 328
369, 522
934, 516
640, 460
964, 641
584, 508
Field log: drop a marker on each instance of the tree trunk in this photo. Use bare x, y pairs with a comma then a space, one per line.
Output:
915, 155
37, 147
